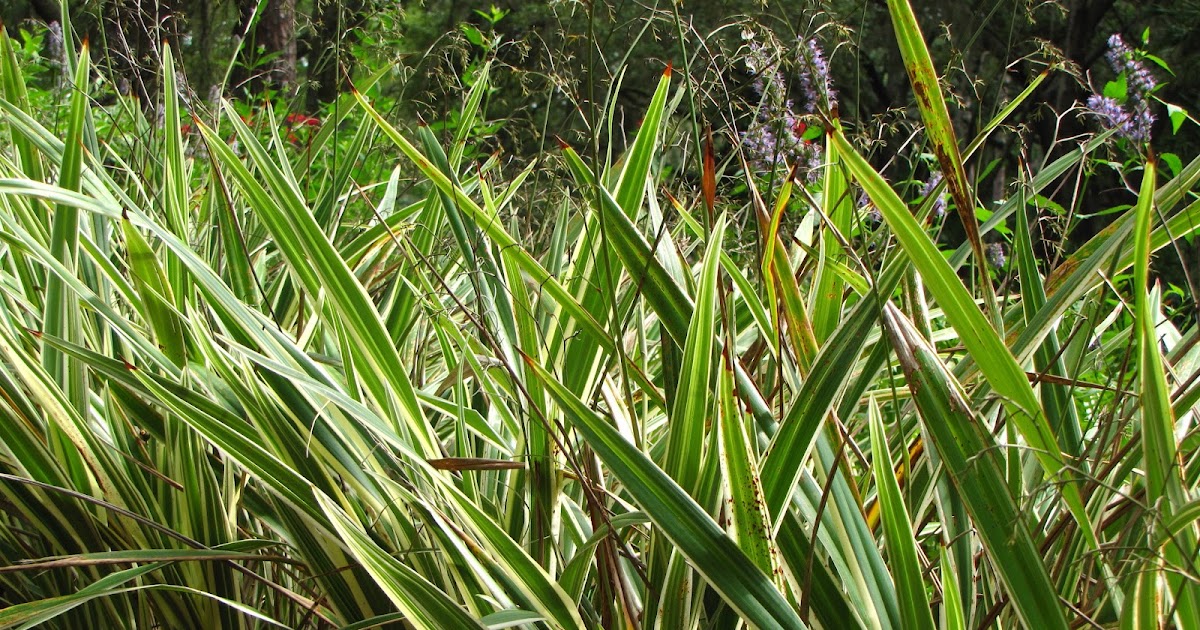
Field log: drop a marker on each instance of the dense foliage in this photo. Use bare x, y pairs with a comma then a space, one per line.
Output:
263, 364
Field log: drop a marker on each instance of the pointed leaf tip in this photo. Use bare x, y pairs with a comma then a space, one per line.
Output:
667, 72
794, 175
562, 144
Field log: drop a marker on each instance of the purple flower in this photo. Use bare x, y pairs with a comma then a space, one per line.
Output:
53, 43
775, 137
1122, 60
775, 144
995, 255
1134, 125
1107, 108
1140, 123
939, 205
1132, 118
1118, 52
873, 216
814, 77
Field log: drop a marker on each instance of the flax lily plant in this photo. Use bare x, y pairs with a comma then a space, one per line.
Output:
226, 406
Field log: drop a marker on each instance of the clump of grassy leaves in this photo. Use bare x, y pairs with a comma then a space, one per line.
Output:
225, 403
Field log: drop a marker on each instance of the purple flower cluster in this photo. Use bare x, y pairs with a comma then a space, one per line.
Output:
1121, 59
776, 136
873, 217
1134, 125
814, 78
996, 255
54, 44
939, 204
1132, 119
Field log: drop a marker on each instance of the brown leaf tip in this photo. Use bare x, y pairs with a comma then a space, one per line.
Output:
667, 72
562, 144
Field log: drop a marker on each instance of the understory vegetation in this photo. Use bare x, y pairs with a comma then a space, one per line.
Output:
706, 364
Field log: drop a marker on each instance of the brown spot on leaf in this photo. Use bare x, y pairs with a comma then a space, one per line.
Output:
474, 463
1061, 273
708, 182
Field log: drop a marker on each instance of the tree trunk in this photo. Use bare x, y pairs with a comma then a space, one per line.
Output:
135, 30
272, 38
330, 61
